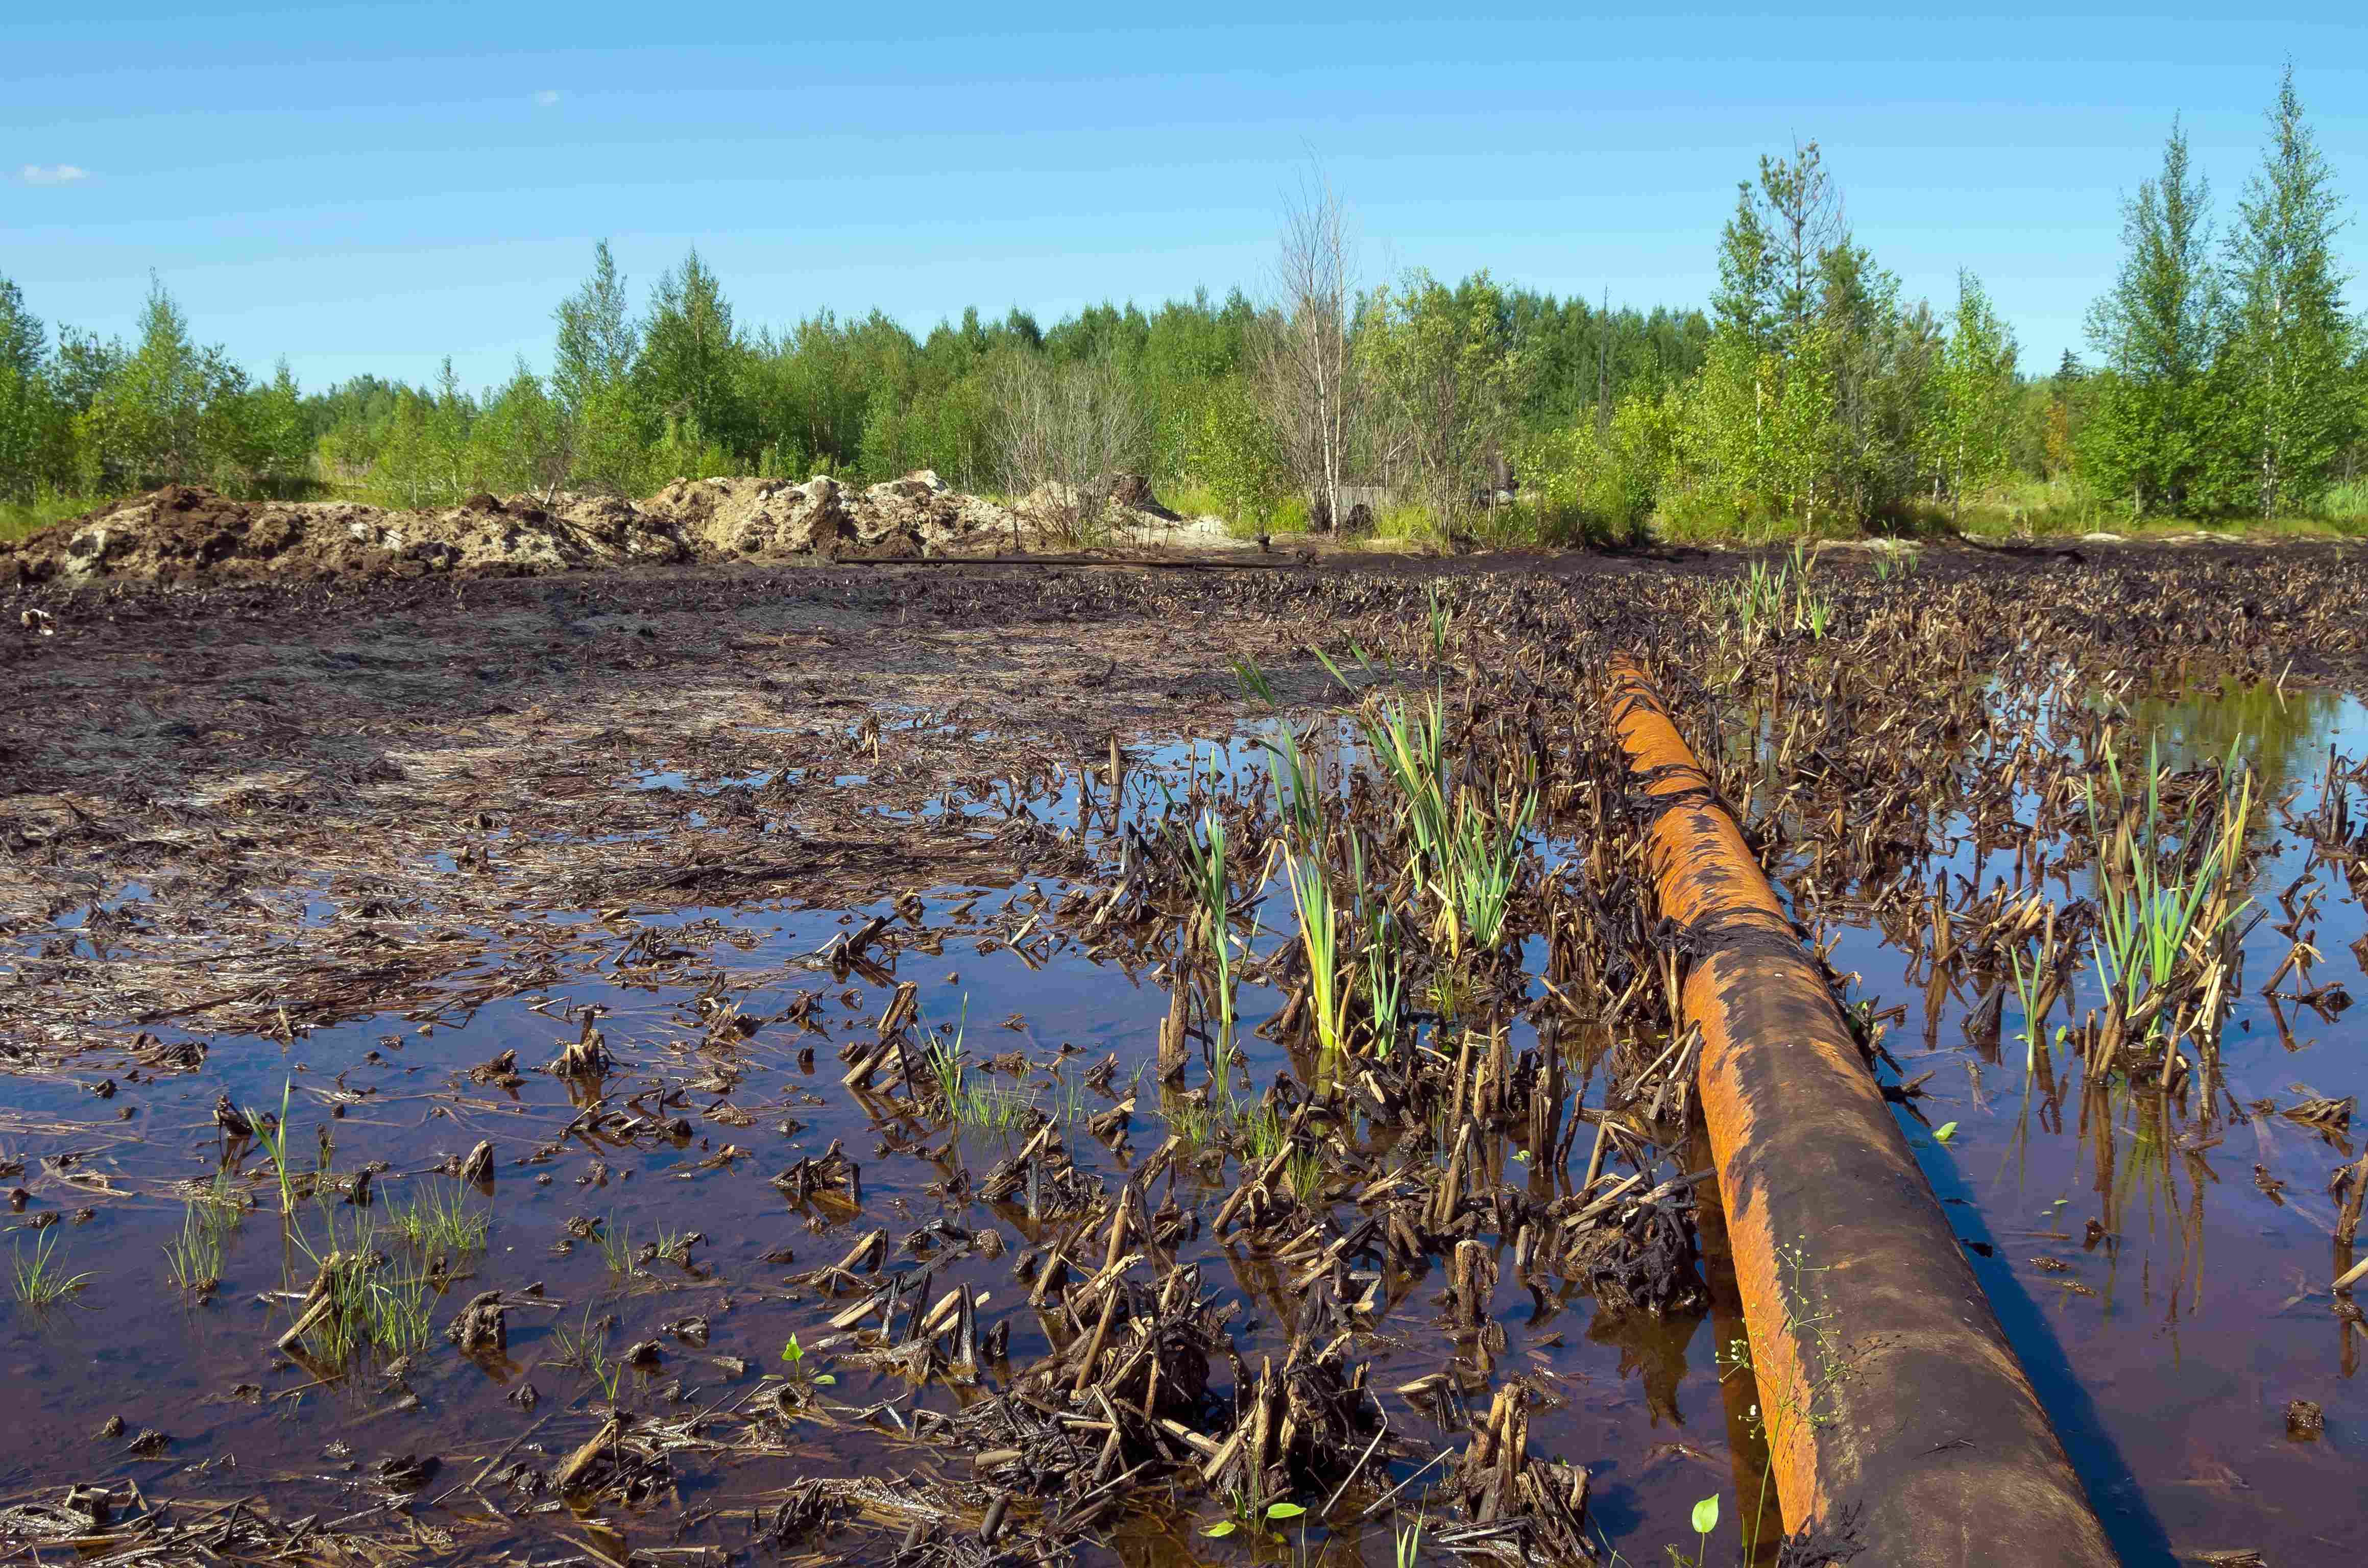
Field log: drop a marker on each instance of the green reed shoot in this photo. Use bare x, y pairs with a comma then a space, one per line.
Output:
581, 1349
1204, 860
1442, 621
376, 1306
1346, 685
195, 1258
2153, 905
1412, 748
1304, 1172
1261, 1132
978, 1104
1384, 985
615, 1239
1318, 935
1482, 863
1296, 795
1253, 679
273, 1135
2026, 991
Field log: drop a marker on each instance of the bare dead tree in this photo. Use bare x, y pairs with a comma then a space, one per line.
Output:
1307, 367
1066, 432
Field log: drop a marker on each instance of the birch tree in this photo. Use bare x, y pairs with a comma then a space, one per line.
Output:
1308, 367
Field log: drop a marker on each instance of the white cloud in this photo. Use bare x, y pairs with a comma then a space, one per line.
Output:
545, 98
52, 173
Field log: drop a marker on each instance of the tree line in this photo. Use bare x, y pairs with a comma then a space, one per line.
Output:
2231, 379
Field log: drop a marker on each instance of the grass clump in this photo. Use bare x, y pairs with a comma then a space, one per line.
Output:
376, 1306
41, 1280
442, 1219
195, 1258
975, 1103
584, 1349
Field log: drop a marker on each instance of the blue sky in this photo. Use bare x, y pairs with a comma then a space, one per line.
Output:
370, 187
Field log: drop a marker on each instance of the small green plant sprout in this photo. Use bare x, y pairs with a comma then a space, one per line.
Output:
1706, 1520
1410, 1543
1943, 1133
42, 1282
273, 1135
795, 1355
1243, 1506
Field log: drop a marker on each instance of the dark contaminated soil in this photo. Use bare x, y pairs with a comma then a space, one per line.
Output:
685, 1063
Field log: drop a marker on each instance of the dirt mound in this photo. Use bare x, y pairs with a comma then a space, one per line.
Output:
185, 532
724, 520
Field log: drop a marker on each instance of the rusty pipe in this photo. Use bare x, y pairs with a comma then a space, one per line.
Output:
1889, 1393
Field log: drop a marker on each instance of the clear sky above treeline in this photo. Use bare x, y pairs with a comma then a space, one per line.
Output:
368, 186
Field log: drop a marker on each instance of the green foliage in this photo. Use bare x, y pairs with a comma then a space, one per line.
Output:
1292, 514
1812, 396
1973, 416
1239, 456
1446, 375
2159, 328
440, 1219
1597, 480
2291, 392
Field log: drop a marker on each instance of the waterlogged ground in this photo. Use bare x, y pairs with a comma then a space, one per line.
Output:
2166, 1279
1641, 1403
664, 851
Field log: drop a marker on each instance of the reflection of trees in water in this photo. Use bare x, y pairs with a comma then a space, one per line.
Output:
2282, 734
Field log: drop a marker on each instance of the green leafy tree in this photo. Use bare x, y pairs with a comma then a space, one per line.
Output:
2157, 330
1881, 356
1744, 307
1442, 366
24, 341
166, 412
689, 370
597, 340
277, 436
1974, 415
29, 413
522, 440
2291, 405
1237, 453
591, 381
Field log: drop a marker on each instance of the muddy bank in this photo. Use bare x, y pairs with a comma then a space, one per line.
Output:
186, 533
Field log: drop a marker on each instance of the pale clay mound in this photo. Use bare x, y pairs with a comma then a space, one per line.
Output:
188, 532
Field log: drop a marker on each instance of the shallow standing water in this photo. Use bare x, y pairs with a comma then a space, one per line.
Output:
2167, 1350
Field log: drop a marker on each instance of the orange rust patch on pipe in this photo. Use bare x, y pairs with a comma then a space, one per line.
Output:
1887, 1386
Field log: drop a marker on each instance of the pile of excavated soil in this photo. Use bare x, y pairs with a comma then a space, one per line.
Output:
190, 533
